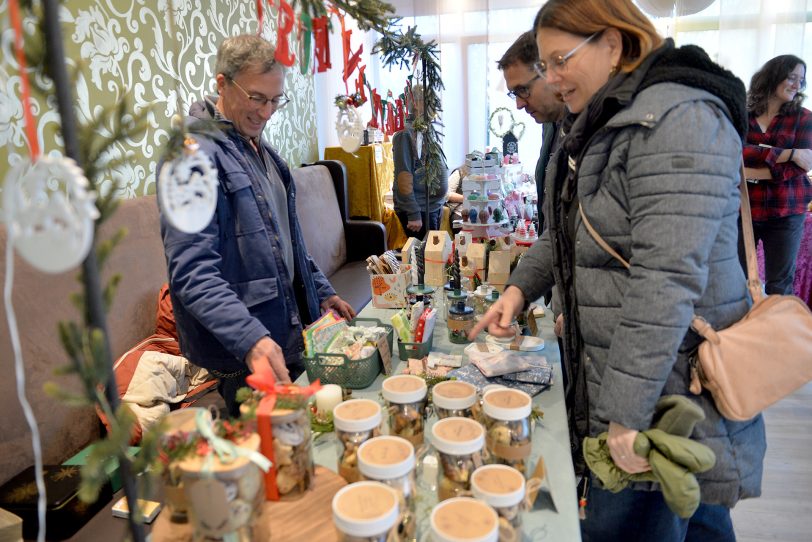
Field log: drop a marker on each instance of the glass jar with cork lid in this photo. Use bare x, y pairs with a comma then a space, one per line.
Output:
506, 416
365, 512
405, 397
355, 421
503, 488
455, 398
460, 444
464, 519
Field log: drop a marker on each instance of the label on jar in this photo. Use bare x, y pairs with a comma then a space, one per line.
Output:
507, 399
356, 410
460, 325
498, 481
458, 430
465, 519
365, 502
454, 390
385, 452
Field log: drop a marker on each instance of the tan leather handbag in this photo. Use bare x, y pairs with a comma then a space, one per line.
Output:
760, 359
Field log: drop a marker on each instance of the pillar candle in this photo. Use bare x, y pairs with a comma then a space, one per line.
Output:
327, 398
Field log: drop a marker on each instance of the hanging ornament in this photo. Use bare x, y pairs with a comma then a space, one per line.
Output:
187, 189
349, 128
510, 144
419, 144
321, 39
667, 8
284, 28
50, 211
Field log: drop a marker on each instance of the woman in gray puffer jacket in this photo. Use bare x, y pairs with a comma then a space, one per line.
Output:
652, 155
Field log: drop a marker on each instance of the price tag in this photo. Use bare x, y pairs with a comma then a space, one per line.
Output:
378, 154
386, 355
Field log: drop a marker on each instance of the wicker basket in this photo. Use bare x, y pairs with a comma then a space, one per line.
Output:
343, 371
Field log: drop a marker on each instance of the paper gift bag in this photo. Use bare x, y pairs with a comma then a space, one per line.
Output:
389, 291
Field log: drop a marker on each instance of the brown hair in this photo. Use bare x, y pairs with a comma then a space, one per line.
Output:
586, 17
766, 80
521, 51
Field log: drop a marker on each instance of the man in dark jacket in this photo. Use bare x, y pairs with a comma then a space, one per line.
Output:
537, 99
244, 287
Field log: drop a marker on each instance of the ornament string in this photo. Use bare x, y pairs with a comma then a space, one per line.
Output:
19, 47
14, 332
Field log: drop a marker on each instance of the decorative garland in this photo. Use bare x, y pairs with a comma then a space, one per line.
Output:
513, 124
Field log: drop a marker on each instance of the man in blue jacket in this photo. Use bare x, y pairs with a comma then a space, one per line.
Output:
243, 288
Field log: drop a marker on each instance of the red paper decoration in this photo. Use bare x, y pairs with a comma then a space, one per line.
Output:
321, 37
285, 27
360, 82
351, 60
399, 125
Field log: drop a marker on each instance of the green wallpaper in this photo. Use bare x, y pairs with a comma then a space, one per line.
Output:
127, 46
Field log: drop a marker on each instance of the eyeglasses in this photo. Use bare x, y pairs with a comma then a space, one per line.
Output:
522, 91
795, 80
277, 102
559, 63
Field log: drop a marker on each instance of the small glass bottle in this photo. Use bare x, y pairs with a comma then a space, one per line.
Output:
419, 292
365, 512
503, 488
506, 416
454, 297
459, 443
460, 322
391, 461
464, 519
355, 421
405, 397
478, 297
455, 398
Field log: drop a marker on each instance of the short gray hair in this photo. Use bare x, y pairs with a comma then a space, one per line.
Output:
245, 51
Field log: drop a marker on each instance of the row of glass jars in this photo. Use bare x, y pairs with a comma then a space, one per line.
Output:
471, 432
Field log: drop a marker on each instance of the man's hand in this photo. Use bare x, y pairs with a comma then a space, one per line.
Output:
267, 351
558, 328
803, 157
339, 305
501, 315
621, 447
414, 225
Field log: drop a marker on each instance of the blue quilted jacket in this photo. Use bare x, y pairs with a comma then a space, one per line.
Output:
229, 284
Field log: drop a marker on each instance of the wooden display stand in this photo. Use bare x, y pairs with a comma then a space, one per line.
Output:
309, 518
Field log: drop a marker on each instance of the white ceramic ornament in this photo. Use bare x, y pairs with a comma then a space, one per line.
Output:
50, 210
349, 128
419, 142
667, 8
187, 189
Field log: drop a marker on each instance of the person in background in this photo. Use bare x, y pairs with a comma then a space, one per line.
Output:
777, 157
409, 186
454, 197
651, 158
537, 99
243, 287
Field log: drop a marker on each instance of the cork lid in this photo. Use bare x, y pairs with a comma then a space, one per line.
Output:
458, 436
454, 395
463, 519
357, 415
385, 458
498, 485
507, 404
404, 389
365, 509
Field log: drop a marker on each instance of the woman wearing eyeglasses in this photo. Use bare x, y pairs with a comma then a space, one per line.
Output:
777, 156
651, 153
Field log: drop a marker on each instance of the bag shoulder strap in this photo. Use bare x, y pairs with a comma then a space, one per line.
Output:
753, 281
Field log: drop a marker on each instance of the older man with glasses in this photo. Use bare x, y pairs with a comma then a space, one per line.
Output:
532, 94
243, 288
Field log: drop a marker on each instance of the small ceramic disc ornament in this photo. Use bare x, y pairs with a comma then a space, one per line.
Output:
50, 210
187, 189
419, 143
349, 128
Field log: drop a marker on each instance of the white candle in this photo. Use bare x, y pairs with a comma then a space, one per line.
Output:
327, 398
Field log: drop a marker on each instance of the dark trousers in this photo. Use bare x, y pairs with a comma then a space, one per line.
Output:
781, 238
630, 516
434, 223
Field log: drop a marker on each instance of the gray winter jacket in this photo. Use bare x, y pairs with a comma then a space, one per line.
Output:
659, 182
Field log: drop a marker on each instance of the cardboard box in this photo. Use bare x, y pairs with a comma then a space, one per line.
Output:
438, 250
389, 291
499, 268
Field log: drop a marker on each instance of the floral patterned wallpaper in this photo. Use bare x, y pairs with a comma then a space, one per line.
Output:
130, 46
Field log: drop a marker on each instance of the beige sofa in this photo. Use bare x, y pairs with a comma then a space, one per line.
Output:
41, 301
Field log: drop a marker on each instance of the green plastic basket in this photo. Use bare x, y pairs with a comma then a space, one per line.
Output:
415, 350
343, 371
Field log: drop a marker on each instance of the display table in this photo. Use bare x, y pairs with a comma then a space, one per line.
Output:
550, 441
370, 171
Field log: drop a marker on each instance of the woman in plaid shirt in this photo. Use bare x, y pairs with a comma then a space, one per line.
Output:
777, 157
